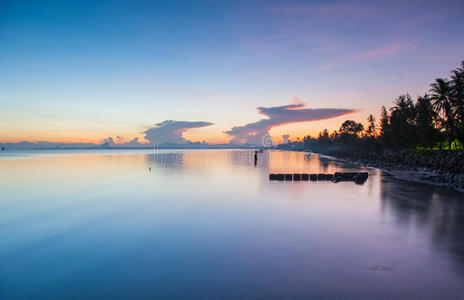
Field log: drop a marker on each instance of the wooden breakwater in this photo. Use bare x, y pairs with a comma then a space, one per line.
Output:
357, 177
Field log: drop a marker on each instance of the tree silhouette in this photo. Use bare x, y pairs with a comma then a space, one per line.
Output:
433, 119
427, 134
402, 119
440, 94
351, 127
371, 127
457, 99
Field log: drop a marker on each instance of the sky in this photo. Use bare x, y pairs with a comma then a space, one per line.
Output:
84, 71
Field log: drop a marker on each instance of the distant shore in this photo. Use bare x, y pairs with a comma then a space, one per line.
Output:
441, 168
13, 147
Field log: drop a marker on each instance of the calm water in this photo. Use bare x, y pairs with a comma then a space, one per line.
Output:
208, 224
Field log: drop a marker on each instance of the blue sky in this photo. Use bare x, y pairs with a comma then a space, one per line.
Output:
86, 70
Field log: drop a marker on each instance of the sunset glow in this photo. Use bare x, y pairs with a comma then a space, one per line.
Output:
231, 149
84, 72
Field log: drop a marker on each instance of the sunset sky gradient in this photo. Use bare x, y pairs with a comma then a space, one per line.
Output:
82, 71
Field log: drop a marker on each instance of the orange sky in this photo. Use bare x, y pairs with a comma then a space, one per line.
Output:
71, 133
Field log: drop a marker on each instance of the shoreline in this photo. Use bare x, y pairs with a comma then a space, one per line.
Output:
399, 166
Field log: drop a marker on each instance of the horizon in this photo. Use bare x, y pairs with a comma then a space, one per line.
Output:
210, 72
232, 149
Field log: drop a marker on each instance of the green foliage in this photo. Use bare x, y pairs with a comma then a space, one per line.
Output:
433, 121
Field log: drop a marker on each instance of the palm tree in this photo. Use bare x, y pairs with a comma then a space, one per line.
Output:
402, 119
404, 109
441, 97
457, 99
425, 122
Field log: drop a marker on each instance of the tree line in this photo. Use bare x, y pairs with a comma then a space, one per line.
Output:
432, 121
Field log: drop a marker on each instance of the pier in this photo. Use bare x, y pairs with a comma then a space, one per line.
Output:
357, 177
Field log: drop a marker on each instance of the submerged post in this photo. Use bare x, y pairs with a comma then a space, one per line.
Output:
356, 177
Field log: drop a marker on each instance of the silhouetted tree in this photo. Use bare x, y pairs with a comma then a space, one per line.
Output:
351, 127
385, 128
334, 136
427, 133
402, 119
307, 141
434, 119
323, 137
441, 97
457, 99
349, 132
371, 127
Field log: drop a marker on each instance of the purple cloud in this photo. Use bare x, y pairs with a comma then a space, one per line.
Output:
171, 131
373, 53
255, 133
129, 144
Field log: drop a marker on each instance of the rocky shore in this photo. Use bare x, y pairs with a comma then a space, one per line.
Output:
443, 168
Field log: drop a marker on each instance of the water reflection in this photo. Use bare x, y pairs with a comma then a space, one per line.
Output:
436, 211
433, 210
210, 224
273, 161
187, 159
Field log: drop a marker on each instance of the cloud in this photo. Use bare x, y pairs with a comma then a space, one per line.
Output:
256, 133
171, 131
120, 143
387, 50
331, 35
369, 54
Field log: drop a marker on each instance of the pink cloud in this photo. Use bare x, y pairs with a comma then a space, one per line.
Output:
256, 132
383, 51
369, 54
